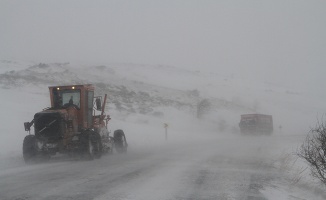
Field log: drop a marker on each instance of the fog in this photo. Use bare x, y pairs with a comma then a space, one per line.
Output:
156, 60
276, 41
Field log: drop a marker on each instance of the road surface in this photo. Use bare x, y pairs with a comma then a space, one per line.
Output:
215, 168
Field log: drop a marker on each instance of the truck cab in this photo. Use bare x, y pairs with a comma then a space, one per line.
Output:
79, 97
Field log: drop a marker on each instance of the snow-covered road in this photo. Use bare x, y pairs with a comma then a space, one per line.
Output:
213, 168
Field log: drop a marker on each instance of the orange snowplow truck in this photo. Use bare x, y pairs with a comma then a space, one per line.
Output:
256, 124
68, 126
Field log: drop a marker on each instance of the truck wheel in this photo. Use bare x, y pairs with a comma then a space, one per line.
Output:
98, 145
93, 146
29, 149
90, 150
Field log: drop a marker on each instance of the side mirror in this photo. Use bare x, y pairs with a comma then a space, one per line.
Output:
27, 126
98, 104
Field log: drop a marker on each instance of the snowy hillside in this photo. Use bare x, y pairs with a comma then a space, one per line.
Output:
151, 90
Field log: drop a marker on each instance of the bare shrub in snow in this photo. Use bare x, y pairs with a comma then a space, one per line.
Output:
290, 166
313, 150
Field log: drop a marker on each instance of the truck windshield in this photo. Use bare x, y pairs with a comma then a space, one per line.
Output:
66, 97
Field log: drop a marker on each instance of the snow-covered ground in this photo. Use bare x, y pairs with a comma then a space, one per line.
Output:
143, 97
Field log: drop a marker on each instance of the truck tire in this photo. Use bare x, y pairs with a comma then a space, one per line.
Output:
98, 145
29, 149
93, 145
120, 143
90, 150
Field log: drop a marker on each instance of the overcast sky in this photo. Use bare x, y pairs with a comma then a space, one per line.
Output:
276, 39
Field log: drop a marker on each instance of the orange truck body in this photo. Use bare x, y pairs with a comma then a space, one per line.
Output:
69, 125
